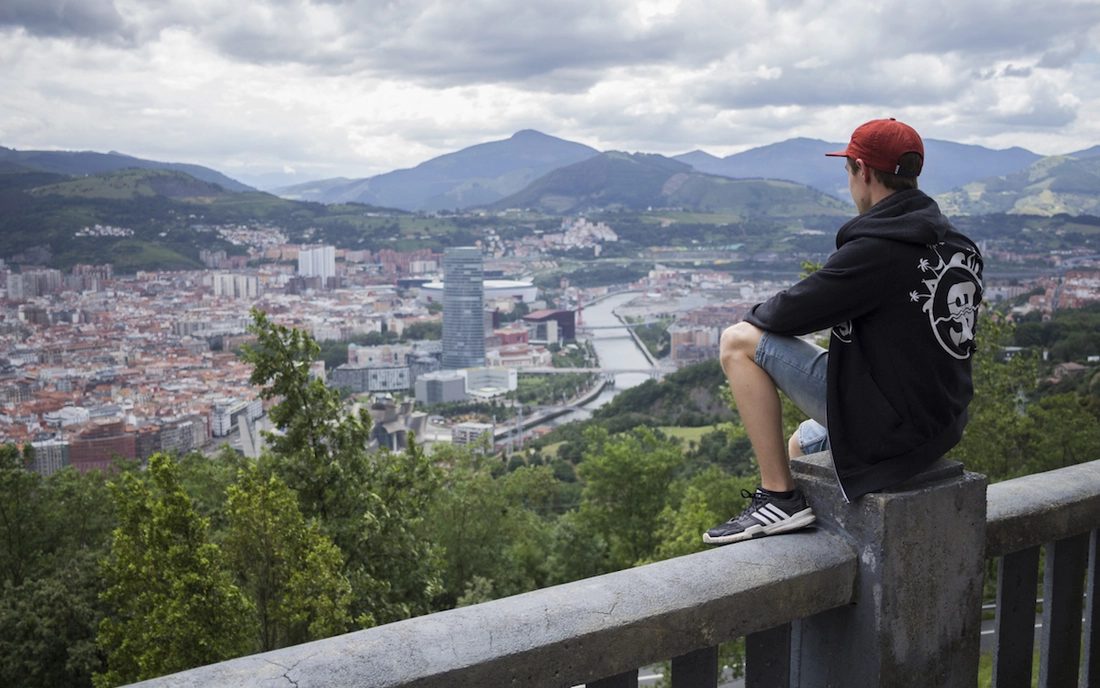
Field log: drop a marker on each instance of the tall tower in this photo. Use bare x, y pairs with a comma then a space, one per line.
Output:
463, 306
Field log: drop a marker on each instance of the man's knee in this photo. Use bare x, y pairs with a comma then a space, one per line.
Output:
793, 448
739, 341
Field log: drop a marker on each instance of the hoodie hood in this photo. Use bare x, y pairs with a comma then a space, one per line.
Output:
910, 216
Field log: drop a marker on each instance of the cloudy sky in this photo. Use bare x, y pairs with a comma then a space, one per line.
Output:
308, 89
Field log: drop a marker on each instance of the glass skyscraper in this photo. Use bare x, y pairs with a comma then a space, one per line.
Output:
463, 308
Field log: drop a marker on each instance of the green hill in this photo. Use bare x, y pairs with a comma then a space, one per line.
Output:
639, 181
89, 162
1050, 186
134, 183
168, 217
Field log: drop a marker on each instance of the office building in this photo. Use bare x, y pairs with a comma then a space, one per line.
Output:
440, 387
463, 306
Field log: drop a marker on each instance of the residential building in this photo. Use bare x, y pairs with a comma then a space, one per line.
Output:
317, 261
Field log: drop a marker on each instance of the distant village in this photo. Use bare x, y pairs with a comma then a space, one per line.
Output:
95, 366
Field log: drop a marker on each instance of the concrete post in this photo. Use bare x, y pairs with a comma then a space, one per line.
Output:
917, 616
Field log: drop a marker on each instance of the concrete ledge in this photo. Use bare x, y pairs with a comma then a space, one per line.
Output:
820, 466
916, 621
572, 633
1041, 508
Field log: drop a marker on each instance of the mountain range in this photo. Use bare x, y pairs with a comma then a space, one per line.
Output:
470, 177
504, 173
639, 181
1058, 184
88, 162
534, 170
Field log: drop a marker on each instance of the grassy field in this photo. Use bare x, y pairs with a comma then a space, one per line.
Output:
550, 451
686, 435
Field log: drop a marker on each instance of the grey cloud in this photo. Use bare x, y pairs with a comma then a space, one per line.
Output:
566, 46
982, 28
826, 87
1062, 55
1010, 70
97, 19
539, 44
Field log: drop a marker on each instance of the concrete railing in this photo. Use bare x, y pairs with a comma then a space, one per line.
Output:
885, 592
1059, 511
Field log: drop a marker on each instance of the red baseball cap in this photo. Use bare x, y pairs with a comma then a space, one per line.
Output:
881, 142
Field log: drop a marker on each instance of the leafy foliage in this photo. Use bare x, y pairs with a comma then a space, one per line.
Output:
691, 396
290, 571
490, 525
626, 486
173, 603
48, 627
370, 506
1009, 433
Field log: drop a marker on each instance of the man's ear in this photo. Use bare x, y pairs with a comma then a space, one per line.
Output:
863, 171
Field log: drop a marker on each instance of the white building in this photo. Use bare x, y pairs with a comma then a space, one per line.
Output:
69, 415
469, 433
236, 285
486, 383
317, 261
227, 413
493, 290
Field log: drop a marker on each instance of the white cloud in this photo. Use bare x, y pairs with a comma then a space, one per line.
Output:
359, 87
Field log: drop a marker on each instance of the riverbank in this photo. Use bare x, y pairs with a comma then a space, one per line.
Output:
540, 417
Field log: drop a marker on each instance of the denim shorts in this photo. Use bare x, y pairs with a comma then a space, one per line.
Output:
800, 370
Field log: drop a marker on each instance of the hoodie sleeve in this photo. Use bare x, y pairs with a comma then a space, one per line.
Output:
852, 282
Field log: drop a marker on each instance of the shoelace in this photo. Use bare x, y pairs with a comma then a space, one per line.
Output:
756, 499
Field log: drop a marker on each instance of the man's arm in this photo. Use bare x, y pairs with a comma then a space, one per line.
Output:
852, 282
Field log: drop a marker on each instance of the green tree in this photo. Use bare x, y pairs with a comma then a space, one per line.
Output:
489, 525
205, 479
1064, 431
577, 550
53, 532
696, 504
371, 506
626, 487
173, 605
996, 438
290, 571
48, 627
23, 536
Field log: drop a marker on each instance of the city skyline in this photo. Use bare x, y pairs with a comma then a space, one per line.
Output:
266, 91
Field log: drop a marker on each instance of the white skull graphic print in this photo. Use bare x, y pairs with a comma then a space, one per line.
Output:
953, 293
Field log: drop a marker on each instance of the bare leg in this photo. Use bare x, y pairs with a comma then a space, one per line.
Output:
758, 403
792, 446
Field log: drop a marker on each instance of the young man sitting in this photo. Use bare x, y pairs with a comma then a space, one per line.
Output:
889, 396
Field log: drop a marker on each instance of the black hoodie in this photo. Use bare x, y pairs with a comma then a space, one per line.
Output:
901, 294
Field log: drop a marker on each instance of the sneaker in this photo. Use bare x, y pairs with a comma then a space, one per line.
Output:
765, 515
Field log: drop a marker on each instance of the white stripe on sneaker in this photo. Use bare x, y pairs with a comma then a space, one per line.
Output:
769, 514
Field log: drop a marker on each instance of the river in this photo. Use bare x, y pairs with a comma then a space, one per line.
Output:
615, 349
